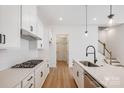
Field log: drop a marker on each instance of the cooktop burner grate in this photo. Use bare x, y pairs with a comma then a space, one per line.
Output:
28, 64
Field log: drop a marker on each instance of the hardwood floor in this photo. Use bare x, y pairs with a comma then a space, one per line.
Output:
60, 77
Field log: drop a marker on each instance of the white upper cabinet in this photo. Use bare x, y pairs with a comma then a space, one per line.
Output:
40, 32
29, 18
40, 28
32, 26
9, 26
29, 22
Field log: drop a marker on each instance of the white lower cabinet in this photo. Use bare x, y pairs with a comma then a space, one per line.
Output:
78, 74
46, 70
39, 77
36, 78
28, 82
41, 74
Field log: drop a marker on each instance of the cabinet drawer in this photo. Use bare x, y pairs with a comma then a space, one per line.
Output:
28, 79
29, 85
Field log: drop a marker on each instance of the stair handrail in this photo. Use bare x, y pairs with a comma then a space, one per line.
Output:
105, 49
104, 45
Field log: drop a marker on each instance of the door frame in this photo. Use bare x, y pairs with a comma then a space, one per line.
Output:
67, 35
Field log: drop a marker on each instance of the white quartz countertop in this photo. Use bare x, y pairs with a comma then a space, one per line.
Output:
11, 77
109, 76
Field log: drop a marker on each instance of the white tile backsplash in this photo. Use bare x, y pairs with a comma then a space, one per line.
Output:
13, 56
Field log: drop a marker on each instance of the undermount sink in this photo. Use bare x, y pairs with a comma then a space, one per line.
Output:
88, 64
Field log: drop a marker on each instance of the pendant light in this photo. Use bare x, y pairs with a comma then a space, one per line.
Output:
86, 32
110, 17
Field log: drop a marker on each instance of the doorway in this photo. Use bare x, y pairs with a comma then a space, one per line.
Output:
62, 48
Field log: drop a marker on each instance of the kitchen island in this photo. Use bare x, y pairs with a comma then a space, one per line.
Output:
107, 76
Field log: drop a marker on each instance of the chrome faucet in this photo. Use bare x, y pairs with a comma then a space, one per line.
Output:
95, 60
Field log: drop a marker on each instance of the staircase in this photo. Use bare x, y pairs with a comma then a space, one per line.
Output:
108, 55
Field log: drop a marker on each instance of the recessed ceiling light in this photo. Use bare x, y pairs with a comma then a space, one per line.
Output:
94, 19
60, 18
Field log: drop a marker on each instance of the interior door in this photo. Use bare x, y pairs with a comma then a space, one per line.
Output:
61, 48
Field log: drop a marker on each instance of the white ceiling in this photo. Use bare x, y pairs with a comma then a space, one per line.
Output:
75, 14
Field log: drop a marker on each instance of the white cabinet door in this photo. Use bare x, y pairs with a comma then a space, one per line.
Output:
75, 73
39, 76
46, 70
26, 17
28, 82
10, 25
39, 44
33, 18
29, 18
40, 33
78, 74
81, 77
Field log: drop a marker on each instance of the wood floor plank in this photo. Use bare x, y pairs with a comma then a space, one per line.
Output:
60, 77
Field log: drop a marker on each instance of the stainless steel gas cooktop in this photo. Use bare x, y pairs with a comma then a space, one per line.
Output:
28, 64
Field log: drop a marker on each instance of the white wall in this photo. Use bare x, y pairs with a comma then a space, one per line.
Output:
77, 42
11, 57
115, 43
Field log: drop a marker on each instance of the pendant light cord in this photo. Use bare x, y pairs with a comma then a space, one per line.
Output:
86, 16
21, 16
110, 9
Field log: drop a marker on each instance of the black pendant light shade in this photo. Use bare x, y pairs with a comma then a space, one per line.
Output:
111, 15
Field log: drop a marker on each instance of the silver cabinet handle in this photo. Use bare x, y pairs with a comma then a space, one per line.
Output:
0, 38
77, 73
41, 73
4, 39
31, 28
